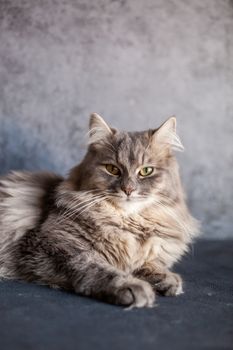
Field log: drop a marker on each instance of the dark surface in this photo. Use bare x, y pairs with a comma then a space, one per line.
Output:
36, 317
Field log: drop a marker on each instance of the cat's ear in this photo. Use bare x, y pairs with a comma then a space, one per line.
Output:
98, 129
166, 135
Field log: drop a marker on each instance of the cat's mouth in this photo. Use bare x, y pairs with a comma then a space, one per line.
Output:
131, 204
135, 199
131, 198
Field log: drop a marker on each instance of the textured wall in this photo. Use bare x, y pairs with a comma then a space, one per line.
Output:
135, 62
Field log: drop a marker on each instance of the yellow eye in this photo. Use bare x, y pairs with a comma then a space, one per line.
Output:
112, 169
148, 170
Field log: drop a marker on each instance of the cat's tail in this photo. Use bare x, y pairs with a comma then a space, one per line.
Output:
23, 198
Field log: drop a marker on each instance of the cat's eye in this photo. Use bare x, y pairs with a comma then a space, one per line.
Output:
146, 171
112, 169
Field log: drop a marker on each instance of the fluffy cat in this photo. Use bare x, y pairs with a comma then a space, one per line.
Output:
112, 229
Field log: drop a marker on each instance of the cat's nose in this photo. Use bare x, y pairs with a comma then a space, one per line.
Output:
128, 189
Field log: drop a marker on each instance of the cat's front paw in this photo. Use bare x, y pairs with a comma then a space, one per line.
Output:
170, 284
136, 293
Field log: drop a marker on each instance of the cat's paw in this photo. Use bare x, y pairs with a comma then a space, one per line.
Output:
170, 284
136, 293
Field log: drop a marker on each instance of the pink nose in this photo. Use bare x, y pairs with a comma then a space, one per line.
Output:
128, 189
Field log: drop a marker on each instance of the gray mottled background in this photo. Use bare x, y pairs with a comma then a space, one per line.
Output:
135, 62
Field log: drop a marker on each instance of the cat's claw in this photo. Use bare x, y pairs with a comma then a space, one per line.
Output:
170, 285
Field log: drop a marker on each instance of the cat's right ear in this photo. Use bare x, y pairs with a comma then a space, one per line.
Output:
98, 129
166, 135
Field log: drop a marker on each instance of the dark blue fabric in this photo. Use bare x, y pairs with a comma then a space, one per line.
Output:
39, 318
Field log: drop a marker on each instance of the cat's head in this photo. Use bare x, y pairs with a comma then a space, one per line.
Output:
129, 168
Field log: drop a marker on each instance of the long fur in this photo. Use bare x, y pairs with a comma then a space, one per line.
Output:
82, 233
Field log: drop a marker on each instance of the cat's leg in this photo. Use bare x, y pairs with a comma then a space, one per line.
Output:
104, 282
164, 281
43, 259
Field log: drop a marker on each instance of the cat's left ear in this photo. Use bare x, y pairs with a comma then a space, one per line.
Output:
98, 129
166, 134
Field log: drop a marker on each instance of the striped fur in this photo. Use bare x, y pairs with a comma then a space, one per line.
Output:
83, 233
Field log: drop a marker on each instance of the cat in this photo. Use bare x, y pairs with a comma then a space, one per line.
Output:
112, 229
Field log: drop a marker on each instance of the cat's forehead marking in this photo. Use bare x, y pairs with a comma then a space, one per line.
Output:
131, 149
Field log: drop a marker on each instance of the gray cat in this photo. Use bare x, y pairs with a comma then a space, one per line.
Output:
112, 229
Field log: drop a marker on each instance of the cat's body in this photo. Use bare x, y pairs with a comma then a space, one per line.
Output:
108, 230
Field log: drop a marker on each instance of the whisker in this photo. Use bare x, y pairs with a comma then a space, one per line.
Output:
66, 210
79, 206
76, 196
84, 207
72, 210
91, 205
